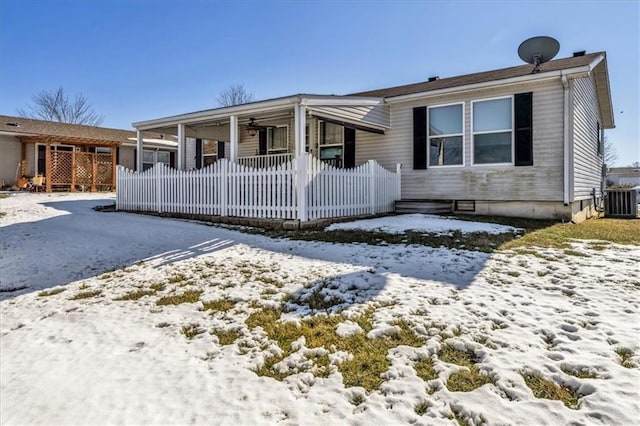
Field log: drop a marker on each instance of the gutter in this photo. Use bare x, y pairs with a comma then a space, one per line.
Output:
566, 142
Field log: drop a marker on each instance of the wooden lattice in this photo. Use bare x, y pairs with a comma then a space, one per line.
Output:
60, 168
104, 169
84, 168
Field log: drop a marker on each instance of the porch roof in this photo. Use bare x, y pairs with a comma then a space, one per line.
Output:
365, 112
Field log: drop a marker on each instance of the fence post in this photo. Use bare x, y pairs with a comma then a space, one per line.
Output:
118, 188
224, 186
372, 186
399, 181
301, 176
158, 167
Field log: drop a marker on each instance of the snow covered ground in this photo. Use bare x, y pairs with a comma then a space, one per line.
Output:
96, 360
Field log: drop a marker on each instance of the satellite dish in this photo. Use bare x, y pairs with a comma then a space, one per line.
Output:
538, 50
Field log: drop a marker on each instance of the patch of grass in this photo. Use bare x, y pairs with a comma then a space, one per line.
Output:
2, 214
451, 355
581, 373
135, 295
189, 296
546, 389
620, 231
157, 286
356, 399
467, 380
176, 278
424, 369
51, 292
226, 337
220, 305
421, 407
625, 355
163, 324
369, 355
3, 196
86, 294
267, 370
190, 330
570, 252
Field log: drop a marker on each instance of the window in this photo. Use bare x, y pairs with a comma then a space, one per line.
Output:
149, 158
277, 139
330, 140
209, 152
492, 131
445, 135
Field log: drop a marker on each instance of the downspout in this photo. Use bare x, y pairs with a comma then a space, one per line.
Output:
567, 147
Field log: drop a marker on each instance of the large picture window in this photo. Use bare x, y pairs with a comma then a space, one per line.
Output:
493, 131
277, 139
446, 135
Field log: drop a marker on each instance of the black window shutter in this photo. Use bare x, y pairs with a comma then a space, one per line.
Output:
117, 155
524, 129
349, 156
172, 159
598, 138
135, 159
220, 149
262, 142
420, 138
198, 153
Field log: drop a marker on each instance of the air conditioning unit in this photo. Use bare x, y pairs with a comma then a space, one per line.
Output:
622, 203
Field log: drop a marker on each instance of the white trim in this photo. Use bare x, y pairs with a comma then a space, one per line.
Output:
472, 133
256, 108
234, 138
566, 142
429, 165
139, 149
182, 140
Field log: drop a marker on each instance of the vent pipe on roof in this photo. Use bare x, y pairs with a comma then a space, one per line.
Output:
434, 78
579, 53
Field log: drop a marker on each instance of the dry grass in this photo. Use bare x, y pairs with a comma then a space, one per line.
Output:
135, 295
625, 355
543, 388
424, 369
581, 373
51, 292
86, 295
467, 380
221, 305
189, 296
621, 231
226, 337
369, 355
190, 330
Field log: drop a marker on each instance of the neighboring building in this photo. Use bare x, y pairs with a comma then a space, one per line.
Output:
623, 176
72, 156
503, 142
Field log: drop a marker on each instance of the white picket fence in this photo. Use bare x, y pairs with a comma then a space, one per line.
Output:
303, 188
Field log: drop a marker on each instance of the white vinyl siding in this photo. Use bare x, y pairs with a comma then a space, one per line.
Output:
10, 158
541, 182
587, 164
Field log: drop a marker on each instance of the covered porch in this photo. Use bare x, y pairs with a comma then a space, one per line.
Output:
69, 163
286, 158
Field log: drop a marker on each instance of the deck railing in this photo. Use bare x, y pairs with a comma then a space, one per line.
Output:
303, 188
264, 161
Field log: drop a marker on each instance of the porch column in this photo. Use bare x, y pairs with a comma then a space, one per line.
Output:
48, 168
233, 136
23, 158
139, 151
181, 143
299, 117
300, 131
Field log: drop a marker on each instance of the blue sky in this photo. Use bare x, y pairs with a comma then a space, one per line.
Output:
142, 59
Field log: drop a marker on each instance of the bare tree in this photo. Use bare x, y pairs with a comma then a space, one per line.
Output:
56, 106
610, 153
235, 94
635, 164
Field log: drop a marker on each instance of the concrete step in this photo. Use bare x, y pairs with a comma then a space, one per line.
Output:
424, 206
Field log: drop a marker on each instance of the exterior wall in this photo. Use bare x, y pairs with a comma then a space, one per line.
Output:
248, 145
541, 182
586, 172
31, 159
126, 157
190, 154
577, 211
10, 149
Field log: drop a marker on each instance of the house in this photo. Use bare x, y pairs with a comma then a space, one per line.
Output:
32, 147
509, 142
623, 176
